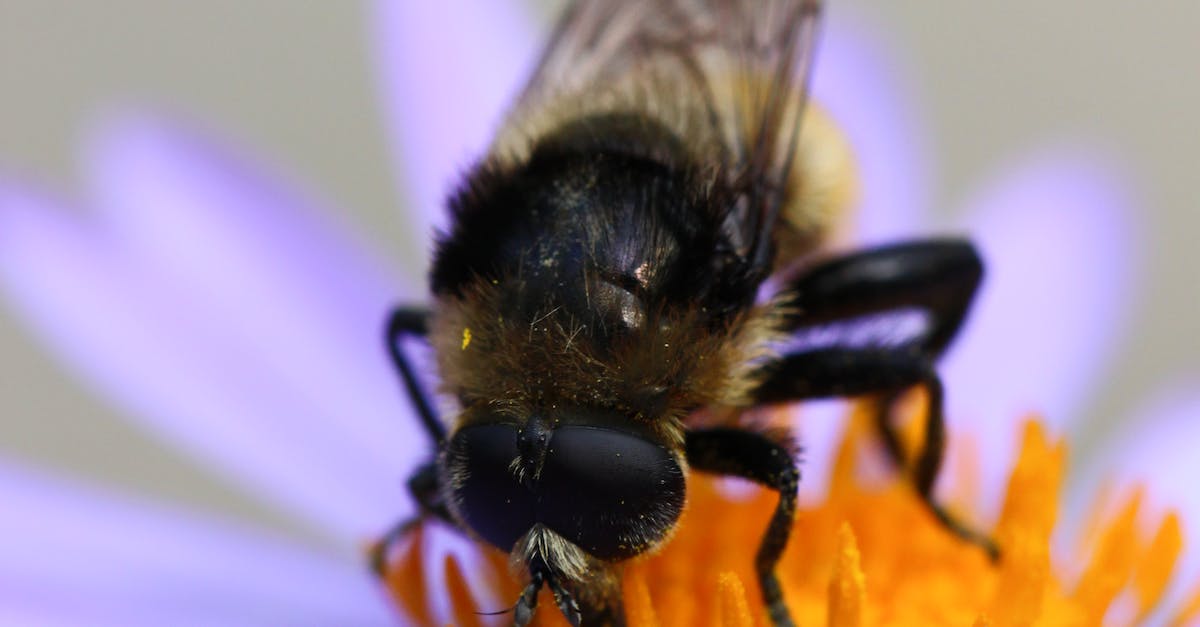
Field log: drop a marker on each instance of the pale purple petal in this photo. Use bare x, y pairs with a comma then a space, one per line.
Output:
1155, 447
140, 338
69, 552
820, 427
1056, 236
281, 278
441, 542
17, 611
448, 72
860, 81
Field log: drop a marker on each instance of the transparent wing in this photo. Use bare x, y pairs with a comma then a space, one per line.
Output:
728, 76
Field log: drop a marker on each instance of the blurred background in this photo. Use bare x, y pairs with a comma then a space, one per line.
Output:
990, 82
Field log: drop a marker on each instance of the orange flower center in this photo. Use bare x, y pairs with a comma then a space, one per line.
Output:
870, 554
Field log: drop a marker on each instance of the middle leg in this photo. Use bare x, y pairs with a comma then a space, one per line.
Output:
843, 297
424, 490
769, 462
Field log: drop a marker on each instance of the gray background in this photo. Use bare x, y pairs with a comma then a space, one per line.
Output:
293, 80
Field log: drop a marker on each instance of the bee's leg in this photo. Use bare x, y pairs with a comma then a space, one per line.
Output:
771, 463
381, 549
413, 322
423, 488
937, 278
829, 373
423, 483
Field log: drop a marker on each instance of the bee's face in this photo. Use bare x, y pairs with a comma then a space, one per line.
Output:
592, 478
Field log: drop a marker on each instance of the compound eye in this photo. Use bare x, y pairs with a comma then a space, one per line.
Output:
613, 493
484, 491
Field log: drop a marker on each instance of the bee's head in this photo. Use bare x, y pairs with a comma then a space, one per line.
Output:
594, 478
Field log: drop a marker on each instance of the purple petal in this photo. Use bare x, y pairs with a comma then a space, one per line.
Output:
67, 552
449, 70
293, 287
859, 81
153, 345
820, 427
1057, 240
1154, 447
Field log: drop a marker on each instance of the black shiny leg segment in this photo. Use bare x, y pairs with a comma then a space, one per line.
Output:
413, 322
768, 462
940, 278
830, 373
423, 484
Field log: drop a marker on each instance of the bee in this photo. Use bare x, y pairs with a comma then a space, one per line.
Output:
636, 249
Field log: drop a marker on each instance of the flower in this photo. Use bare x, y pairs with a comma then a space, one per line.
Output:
233, 319
870, 554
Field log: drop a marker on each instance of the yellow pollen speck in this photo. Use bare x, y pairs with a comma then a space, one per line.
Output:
466, 337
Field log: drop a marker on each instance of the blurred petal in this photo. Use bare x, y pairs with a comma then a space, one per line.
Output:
449, 70
1056, 235
820, 427
141, 339
281, 278
858, 79
1156, 448
66, 551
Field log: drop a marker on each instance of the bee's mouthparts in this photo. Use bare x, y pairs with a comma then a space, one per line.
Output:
527, 603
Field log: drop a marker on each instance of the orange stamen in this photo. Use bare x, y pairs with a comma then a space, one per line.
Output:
848, 586
460, 596
638, 608
1154, 573
406, 580
877, 531
732, 608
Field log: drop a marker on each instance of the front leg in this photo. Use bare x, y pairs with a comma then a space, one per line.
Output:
423, 484
423, 487
412, 322
768, 462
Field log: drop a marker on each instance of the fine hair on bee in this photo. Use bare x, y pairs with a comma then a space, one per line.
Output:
637, 265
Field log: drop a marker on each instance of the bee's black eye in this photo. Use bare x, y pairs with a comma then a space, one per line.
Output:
484, 490
611, 492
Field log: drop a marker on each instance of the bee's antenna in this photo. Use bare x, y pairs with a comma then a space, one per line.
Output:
497, 612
